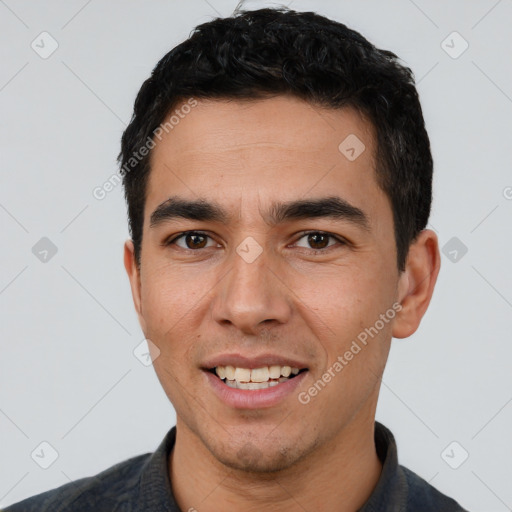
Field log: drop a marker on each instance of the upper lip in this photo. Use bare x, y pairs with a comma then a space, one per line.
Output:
241, 361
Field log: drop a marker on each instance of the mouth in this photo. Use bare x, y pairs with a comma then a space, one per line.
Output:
255, 378
261, 381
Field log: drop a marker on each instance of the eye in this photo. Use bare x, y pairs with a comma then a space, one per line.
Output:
192, 240
319, 240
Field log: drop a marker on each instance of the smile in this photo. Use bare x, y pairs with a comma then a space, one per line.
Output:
256, 378
254, 382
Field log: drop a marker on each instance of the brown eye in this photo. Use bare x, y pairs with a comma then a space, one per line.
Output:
319, 240
192, 240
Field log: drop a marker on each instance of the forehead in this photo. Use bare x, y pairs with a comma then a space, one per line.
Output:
286, 121
278, 148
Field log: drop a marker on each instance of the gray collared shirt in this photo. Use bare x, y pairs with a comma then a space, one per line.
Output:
142, 483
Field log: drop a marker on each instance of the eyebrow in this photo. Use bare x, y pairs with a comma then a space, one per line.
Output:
202, 210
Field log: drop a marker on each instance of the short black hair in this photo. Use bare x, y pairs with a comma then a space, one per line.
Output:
269, 52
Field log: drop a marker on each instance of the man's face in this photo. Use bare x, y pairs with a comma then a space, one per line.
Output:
252, 285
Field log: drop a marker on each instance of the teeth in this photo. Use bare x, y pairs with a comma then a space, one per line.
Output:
229, 372
275, 372
242, 375
252, 385
270, 375
285, 371
260, 374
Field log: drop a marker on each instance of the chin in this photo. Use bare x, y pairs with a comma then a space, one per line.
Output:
268, 457
265, 465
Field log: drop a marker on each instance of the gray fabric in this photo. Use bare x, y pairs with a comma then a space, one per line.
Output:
142, 484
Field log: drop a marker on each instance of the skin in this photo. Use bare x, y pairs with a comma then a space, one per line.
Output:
195, 303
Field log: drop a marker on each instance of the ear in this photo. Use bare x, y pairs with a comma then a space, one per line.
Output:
134, 276
416, 283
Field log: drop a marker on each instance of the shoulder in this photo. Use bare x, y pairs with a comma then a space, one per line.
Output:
106, 491
423, 496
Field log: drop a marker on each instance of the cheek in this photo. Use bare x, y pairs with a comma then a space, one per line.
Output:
167, 298
343, 307
348, 294
167, 305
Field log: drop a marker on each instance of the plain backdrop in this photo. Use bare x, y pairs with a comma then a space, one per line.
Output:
69, 376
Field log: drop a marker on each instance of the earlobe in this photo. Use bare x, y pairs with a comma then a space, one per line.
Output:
416, 284
134, 276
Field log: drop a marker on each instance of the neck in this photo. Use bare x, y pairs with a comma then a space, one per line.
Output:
339, 476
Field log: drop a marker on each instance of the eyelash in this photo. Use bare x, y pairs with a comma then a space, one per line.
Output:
172, 241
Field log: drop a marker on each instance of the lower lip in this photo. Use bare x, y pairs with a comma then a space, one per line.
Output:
253, 398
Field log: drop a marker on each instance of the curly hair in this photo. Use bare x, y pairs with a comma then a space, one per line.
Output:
268, 52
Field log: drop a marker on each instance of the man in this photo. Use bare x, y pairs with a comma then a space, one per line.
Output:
278, 179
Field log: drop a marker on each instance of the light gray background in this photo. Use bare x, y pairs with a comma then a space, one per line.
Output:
68, 375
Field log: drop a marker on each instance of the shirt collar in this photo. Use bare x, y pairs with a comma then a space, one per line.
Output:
389, 495
155, 484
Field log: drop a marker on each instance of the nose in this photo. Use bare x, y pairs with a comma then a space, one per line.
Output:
251, 295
